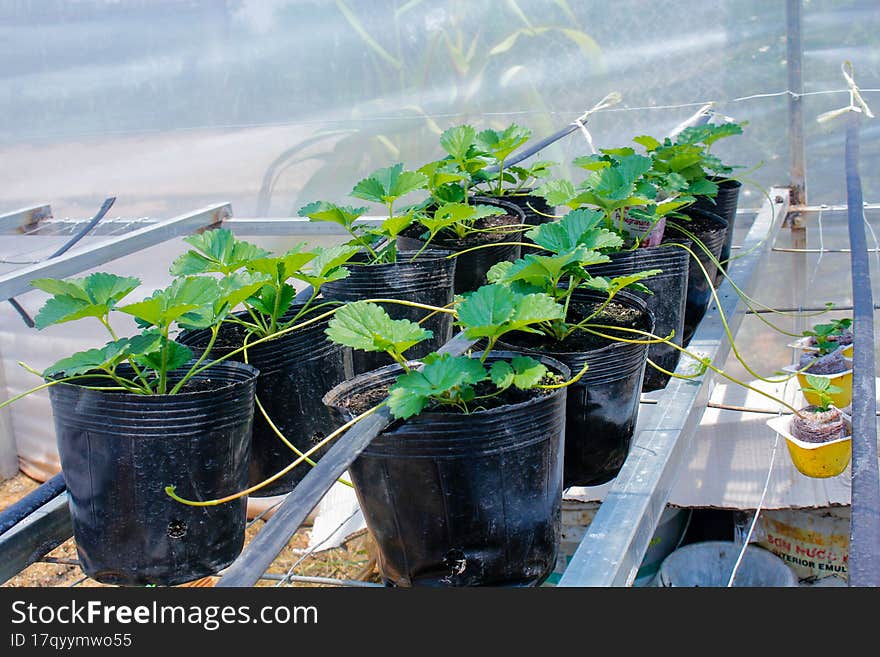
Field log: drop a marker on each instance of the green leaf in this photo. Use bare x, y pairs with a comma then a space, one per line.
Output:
182, 296
620, 282
493, 310
93, 296
618, 181
648, 142
522, 371
528, 372
215, 251
458, 140
388, 184
367, 326
557, 192
546, 271
330, 212
566, 233
177, 356
440, 172
445, 376
106, 357
501, 143
394, 225
502, 374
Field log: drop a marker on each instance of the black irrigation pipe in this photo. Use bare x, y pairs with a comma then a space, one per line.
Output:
17, 512
864, 557
103, 210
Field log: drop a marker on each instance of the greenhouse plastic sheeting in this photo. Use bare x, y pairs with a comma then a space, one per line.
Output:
269, 104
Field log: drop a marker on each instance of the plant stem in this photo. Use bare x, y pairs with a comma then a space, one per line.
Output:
215, 331
170, 490
289, 444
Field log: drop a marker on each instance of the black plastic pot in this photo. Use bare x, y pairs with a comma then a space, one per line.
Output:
724, 204
666, 304
118, 452
471, 268
603, 406
710, 229
463, 500
427, 280
296, 369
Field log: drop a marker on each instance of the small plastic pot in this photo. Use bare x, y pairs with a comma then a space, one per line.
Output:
843, 380
666, 304
296, 369
724, 204
118, 451
427, 280
463, 500
708, 228
817, 460
603, 406
471, 268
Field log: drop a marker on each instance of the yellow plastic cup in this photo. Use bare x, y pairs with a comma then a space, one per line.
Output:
817, 460
843, 380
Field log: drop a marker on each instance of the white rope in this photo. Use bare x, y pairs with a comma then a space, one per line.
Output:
445, 115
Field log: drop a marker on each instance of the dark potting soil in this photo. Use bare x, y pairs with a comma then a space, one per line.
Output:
694, 224
819, 426
449, 240
359, 402
833, 363
614, 314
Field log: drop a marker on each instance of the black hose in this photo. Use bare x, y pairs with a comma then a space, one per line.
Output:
105, 207
864, 557
17, 512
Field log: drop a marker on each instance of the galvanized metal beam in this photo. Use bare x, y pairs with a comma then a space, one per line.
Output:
794, 55
34, 537
617, 538
19, 281
25, 220
286, 226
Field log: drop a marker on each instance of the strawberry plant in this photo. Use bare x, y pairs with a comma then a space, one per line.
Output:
220, 252
827, 338
385, 187
487, 313
822, 388
569, 246
149, 355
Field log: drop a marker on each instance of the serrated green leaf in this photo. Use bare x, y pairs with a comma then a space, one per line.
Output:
444, 376
557, 192
343, 215
493, 310
620, 282
92, 296
177, 355
182, 296
566, 233
501, 143
388, 184
528, 372
458, 140
215, 251
392, 226
648, 142
502, 374
106, 357
368, 327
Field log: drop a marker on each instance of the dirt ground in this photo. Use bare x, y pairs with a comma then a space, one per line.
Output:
352, 560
